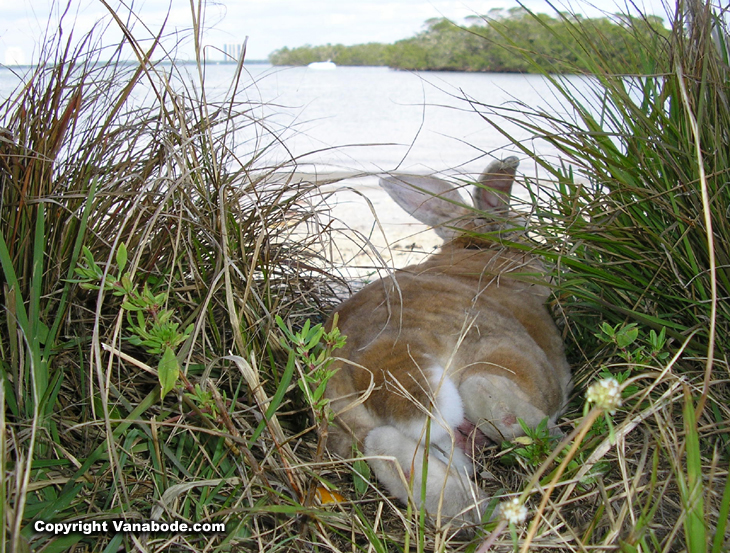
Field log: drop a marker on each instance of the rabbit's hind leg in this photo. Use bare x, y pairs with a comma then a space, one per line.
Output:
495, 403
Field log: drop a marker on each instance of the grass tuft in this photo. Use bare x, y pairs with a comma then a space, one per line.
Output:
637, 232
146, 250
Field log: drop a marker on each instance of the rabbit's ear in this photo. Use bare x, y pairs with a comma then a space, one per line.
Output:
430, 200
496, 185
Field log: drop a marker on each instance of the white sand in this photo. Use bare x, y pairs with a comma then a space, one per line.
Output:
370, 231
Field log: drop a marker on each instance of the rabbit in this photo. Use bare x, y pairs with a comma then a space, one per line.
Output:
459, 340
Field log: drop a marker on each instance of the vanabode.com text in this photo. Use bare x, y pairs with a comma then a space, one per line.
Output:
123, 526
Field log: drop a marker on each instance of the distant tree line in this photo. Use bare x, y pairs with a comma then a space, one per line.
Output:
511, 40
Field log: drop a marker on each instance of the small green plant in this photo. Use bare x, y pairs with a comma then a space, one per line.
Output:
312, 347
205, 400
534, 447
151, 323
538, 444
163, 333
626, 339
624, 336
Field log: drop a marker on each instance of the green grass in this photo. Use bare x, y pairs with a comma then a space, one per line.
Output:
139, 253
135, 244
637, 232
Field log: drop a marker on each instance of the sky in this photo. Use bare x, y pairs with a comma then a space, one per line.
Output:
268, 24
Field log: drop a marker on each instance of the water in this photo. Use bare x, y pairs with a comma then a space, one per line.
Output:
375, 119
356, 120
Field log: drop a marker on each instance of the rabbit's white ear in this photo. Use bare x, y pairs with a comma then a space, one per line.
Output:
496, 185
430, 200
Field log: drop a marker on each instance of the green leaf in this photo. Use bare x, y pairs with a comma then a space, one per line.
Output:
318, 392
692, 490
167, 372
722, 519
278, 395
285, 330
121, 257
314, 337
42, 331
89, 258
627, 335
360, 475
126, 282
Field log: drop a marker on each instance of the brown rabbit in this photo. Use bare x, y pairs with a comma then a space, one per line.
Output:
461, 340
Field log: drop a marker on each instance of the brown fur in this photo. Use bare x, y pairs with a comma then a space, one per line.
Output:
389, 328
466, 310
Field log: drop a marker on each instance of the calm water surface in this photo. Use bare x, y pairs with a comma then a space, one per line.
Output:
378, 119
370, 120
374, 118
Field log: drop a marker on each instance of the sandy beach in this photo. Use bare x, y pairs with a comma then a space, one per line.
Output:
364, 232
370, 232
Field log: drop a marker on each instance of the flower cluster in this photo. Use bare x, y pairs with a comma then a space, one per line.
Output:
606, 394
513, 511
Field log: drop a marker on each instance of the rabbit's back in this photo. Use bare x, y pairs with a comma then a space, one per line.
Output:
463, 311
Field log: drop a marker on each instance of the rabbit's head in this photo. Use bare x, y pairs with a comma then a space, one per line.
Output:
440, 205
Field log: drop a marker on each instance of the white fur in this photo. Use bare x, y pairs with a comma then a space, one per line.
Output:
446, 415
447, 490
405, 442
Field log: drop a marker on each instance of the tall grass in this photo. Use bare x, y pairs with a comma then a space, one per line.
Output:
638, 189
131, 225
637, 231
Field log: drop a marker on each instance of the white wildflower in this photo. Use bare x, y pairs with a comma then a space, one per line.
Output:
606, 394
513, 511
